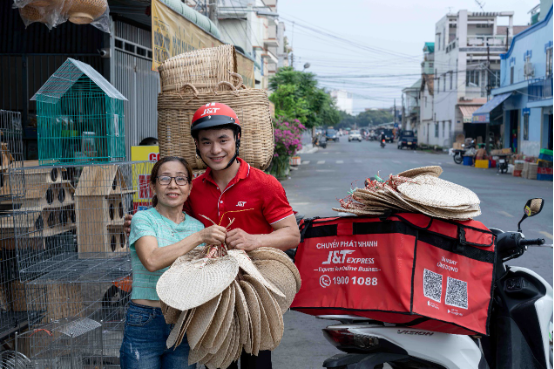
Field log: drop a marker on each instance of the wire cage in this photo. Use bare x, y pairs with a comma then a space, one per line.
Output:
11, 154
69, 259
80, 117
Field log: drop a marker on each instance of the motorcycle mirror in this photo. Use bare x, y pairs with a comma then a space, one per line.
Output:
532, 207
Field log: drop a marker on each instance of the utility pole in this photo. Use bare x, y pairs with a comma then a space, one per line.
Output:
212, 11
292, 47
394, 114
487, 71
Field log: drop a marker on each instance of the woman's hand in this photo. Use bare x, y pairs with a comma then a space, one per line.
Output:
214, 235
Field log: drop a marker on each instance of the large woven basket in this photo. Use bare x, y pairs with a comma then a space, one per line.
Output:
175, 112
203, 68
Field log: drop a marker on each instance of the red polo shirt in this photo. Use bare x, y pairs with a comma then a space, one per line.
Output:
254, 199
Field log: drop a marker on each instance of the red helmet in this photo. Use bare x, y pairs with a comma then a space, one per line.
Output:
213, 115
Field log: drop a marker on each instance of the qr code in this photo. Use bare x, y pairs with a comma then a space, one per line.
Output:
432, 285
456, 293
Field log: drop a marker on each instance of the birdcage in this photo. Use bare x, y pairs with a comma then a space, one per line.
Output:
80, 117
71, 261
11, 154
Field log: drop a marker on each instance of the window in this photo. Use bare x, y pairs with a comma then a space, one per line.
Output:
494, 78
443, 130
438, 85
472, 78
436, 130
512, 75
425, 101
444, 84
451, 80
549, 62
526, 127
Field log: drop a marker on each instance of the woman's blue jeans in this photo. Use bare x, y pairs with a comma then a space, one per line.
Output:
144, 342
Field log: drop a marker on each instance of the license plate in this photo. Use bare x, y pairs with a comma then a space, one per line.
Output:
409, 143
501, 161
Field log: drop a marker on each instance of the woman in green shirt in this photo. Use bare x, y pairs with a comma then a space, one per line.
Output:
158, 237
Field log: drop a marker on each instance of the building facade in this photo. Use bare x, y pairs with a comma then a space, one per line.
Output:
344, 100
410, 106
524, 98
254, 27
467, 53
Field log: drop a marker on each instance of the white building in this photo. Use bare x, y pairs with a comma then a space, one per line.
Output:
253, 26
344, 100
426, 95
466, 66
410, 106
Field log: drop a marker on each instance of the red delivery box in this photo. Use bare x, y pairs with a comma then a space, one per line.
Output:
407, 269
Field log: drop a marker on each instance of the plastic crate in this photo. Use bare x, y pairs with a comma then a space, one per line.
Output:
482, 164
546, 152
492, 163
544, 177
544, 171
468, 160
545, 157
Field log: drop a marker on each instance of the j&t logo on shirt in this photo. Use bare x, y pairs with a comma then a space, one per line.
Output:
241, 203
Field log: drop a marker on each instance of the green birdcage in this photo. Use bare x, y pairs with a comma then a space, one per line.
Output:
80, 117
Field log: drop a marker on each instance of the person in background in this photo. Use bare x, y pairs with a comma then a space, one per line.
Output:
231, 189
158, 237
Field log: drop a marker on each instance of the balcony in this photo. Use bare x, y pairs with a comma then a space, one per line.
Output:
271, 42
484, 41
540, 90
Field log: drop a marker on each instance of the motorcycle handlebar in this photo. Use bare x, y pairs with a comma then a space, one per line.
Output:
530, 242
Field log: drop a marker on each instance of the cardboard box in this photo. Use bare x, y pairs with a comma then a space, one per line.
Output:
507, 150
457, 146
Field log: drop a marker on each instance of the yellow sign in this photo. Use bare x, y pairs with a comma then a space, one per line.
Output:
172, 34
141, 174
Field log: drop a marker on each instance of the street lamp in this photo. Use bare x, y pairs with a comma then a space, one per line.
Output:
306, 66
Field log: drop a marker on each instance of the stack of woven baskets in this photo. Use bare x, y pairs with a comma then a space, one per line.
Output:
227, 301
417, 190
203, 76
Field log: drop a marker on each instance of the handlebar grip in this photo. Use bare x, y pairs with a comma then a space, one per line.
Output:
536, 241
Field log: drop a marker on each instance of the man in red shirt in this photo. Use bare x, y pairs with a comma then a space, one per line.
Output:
232, 189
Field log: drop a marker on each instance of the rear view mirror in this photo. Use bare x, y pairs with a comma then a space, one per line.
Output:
533, 207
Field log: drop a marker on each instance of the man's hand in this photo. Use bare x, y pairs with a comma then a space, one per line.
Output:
127, 224
214, 235
239, 239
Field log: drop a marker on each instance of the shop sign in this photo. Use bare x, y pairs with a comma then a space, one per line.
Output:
141, 174
172, 34
481, 118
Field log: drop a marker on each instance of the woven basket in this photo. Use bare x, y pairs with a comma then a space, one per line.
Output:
86, 11
203, 68
31, 14
175, 112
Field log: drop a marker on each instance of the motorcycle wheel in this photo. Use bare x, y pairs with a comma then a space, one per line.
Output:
458, 158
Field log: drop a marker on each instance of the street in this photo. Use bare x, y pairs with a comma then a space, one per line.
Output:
328, 175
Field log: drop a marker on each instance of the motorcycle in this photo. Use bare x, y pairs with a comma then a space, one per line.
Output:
520, 325
383, 143
320, 141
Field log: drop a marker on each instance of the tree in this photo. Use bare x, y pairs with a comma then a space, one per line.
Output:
296, 96
367, 118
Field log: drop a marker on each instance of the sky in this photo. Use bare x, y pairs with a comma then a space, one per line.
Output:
343, 40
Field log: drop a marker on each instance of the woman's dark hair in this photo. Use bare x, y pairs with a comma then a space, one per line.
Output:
158, 165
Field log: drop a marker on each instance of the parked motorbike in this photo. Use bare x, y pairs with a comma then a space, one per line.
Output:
383, 143
520, 325
320, 141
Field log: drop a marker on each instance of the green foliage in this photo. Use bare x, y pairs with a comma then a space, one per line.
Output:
296, 96
365, 119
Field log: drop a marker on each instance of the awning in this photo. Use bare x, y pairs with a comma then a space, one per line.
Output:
482, 115
467, 111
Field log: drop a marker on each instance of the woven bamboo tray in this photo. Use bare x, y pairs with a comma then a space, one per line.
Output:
203, 68
175, 112
86, 11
